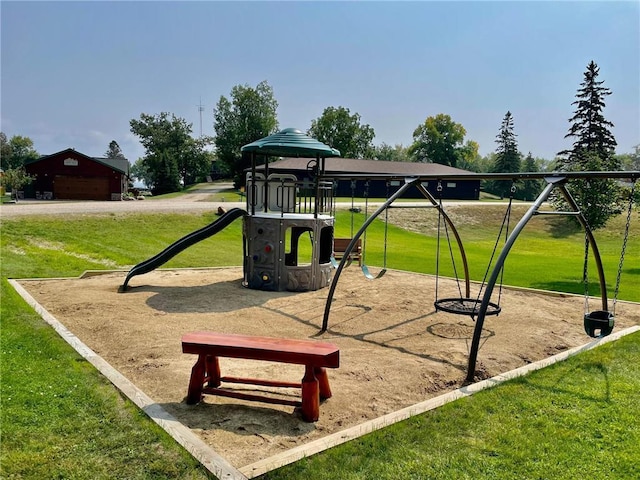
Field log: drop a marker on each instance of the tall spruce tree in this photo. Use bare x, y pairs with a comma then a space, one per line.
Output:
593, 150
507, 159
114, 151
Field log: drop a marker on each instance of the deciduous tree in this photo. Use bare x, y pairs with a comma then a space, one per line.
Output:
389, 153
438, 140
15, 179
339, 129
16, 151
139, 170
5, 149
630, 161
249, 116
593, 150
469, 158
170, 150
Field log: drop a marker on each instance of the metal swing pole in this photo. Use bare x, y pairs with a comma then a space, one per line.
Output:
477, 332
327, 308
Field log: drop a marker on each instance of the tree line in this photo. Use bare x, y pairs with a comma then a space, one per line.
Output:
250, 113
174, 158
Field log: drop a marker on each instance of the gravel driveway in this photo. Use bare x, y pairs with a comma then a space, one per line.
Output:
193, 201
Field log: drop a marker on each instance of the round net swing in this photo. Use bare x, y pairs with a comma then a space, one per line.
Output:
465, 306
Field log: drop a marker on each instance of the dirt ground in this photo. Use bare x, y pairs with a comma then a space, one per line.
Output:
395, 350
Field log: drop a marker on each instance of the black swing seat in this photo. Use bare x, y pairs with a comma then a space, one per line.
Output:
600, 321
465, 306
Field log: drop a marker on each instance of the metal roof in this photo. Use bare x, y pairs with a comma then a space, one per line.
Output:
291, 142
121, 164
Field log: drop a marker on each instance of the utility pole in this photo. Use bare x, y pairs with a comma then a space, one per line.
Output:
200, 109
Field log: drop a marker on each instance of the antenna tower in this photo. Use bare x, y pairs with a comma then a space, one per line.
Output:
200, 109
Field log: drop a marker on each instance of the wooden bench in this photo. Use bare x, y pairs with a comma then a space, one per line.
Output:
340, 246
315, 356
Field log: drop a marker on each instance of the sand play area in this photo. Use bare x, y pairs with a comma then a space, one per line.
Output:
395, 350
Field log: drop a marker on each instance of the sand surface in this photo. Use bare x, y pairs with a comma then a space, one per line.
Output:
395, 349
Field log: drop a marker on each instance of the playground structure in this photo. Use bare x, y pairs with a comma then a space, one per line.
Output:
283, 211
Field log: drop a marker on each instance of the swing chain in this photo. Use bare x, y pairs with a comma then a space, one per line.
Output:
624, 246
585, 273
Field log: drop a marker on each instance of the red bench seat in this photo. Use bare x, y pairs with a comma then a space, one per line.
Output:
315, 356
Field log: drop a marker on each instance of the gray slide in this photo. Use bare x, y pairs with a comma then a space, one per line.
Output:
185, 242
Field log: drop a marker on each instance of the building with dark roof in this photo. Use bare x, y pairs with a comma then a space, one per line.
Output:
468, 189
72, 175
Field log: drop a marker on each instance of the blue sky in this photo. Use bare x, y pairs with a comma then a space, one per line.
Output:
74, 74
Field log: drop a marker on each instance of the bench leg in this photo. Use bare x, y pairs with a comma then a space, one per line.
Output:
323, 381
310, 396
194, 395
212, 371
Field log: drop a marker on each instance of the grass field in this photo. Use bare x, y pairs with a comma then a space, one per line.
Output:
60, 419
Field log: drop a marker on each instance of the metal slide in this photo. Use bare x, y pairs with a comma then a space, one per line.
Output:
185, 242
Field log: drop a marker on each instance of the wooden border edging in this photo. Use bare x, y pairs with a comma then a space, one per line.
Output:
276, 461
208, 457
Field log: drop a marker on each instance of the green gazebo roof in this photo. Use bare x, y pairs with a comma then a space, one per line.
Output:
290, 142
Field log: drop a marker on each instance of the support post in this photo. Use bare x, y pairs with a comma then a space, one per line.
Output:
310, 396
252, 188
327, 309
194, 394
477, 332
323, 382
212, 371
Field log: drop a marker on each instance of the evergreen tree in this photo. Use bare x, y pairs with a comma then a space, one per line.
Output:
589, 128
507, 159
114, 151
593, 150
531, 188
167, 179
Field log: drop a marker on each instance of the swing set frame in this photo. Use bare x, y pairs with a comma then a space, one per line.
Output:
555, 180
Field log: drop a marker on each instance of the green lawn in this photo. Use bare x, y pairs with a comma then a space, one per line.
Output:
576, 419
61, 419
544, 245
